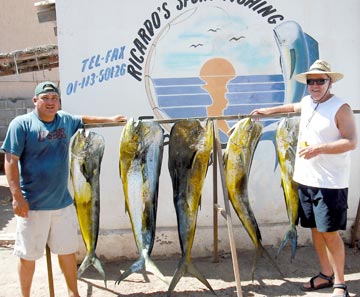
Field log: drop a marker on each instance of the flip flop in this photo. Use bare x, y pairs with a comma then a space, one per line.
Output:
341, 286
312, 287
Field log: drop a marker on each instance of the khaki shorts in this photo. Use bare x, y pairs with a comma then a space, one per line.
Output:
57, 228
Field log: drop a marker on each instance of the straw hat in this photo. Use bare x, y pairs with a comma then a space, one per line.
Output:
319, 67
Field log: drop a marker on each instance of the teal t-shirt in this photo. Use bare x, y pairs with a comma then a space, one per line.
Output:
43, 151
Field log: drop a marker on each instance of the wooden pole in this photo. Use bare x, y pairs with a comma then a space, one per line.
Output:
355, 228
215, 201
50, 274
227, 213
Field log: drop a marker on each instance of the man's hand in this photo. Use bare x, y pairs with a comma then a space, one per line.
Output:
20, 207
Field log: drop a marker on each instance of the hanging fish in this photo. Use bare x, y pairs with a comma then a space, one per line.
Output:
190, 147
141, 151
86, 154
286, 142
238, 157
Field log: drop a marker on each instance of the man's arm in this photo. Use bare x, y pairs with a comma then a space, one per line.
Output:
20, 205
345, 122
292, 107
86, 119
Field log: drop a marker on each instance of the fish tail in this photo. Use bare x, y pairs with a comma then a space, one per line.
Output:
180, 271
271, 260
195, 272
91, 259
151, 267
255, 260
290, 234
183, 267
136, 266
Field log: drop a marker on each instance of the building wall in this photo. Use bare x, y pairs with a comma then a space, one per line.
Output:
20, 29
159, 41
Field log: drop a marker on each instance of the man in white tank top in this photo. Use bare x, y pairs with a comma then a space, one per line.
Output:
327, 134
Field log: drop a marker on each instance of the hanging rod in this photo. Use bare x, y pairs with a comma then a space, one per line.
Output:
227, 117
224, 117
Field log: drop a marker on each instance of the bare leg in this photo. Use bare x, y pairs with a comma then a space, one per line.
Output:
26, 270
336, 251
322, 253
68, 266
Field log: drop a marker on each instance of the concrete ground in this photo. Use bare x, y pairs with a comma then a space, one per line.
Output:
267, 281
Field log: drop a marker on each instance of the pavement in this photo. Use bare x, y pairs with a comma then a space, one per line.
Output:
267, 281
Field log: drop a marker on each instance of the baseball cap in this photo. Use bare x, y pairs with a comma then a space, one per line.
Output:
46, 87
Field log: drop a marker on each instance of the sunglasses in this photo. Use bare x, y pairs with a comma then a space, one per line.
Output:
318, 81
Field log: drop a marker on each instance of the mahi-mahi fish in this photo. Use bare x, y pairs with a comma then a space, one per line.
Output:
141, 152
86, 154
238, 157
286, 142
190, 147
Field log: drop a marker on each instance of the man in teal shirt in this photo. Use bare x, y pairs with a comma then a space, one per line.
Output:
36, 166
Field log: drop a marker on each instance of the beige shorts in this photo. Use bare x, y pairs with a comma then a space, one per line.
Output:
57, 228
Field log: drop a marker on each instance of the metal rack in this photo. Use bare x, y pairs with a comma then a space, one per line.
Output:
217, 165
218, 162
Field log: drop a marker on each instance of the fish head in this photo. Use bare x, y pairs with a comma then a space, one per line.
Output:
287, 131
187, 131
130, 135
87, 142
245, 132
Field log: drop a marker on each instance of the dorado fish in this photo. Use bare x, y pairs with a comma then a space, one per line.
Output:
141, 151
286, 142
190, 147
86, 154
238, 157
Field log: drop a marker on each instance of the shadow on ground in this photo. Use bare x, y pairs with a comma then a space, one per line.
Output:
6, 206
267, 280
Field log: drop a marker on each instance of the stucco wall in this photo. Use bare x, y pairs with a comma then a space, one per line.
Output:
20, 29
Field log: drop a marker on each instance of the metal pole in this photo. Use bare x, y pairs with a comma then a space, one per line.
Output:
227, 117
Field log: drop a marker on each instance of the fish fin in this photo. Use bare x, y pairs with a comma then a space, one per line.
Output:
91, 260
272, 261
290, 234
255, 260
151, 267
313, 49
193, 157
136, 266
293, 61
225, 157
183, 267
179, 272
195, 272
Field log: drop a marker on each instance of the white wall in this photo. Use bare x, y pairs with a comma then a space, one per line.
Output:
89, 30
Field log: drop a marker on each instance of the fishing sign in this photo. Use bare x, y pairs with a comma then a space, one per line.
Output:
197, 59
201, 58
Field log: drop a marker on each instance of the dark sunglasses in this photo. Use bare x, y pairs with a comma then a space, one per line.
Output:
318, 81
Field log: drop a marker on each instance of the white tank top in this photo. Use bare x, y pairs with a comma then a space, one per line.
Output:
318, 125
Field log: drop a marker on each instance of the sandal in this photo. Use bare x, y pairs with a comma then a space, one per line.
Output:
330, 282
344, 287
